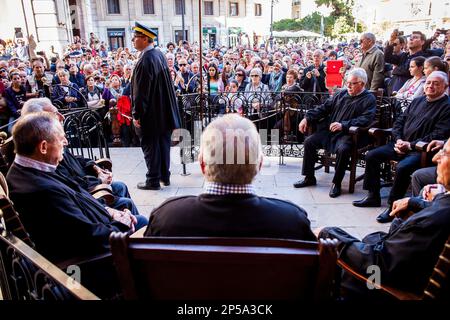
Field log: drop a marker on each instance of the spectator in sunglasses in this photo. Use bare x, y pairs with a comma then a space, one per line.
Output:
241, 78
184, 78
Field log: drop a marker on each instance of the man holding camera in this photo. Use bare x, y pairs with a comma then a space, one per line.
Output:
313, 79
39, 81
415, 46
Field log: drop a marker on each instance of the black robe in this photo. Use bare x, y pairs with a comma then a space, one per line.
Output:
153, 95
63, 219
346, 109
405, 255
78, 169
423, 121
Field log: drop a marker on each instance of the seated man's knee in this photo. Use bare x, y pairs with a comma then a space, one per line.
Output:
405, 167
344, 149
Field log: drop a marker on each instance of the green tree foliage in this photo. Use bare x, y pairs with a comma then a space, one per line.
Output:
342, 13
340, 27
310, 23
340, 7
287, 24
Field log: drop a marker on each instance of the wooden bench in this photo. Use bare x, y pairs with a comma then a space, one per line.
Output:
160, 268
26, 275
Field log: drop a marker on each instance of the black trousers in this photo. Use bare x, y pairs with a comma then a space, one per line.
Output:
156, 150
319, 140
406, 166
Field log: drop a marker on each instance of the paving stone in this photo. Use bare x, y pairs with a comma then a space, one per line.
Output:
273, 181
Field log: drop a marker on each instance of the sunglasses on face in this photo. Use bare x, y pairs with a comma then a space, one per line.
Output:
239, 74
182, 64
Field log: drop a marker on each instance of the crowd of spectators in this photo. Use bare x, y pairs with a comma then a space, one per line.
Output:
88, 73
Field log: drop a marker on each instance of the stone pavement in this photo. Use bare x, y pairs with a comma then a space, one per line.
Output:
273, 181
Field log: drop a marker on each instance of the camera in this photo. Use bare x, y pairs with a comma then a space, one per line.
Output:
41, 53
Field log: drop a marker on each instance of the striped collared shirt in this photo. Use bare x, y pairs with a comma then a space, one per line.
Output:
31, 163
221, 189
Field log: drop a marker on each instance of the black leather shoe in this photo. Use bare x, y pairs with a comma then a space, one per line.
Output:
146, 186
165, 183
335, 191
305, 182
384, 217
368, 201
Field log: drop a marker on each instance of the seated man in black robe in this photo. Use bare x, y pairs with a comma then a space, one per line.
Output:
406, 254
427, 118
81, 170
354, 106
63, 219
230, 157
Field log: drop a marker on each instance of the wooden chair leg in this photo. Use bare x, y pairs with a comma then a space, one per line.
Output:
352, 182
327, 162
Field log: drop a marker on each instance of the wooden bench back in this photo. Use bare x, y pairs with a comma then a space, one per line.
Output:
223, 268
11, 216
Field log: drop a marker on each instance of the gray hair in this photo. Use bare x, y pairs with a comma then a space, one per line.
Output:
32, 129
88, 66
439, 74
319, 51
258, 71
35, 105
360, 73
62, 71
231, 150
370, 36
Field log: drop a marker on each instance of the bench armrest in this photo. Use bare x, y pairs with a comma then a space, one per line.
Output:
103, 191
396, 293
104, 163
422, 146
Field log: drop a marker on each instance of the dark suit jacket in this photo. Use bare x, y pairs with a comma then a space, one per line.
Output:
234, 215
59, 95
62, 218
406, 255
308, 84
153, 95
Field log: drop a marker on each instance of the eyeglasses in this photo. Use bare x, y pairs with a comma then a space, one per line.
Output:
353, 83
254, 75
442, 153
239, 74
182, 64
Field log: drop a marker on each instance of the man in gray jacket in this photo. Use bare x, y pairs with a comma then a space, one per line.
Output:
372, 61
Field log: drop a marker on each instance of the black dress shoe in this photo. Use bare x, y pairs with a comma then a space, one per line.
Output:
165, 183
305, 182
146, 186
335, 191
384, 217
368, 201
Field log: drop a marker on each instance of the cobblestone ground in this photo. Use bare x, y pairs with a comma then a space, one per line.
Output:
273, 181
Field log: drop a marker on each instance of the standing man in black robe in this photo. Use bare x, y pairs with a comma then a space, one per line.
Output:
354, 106
155, 111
